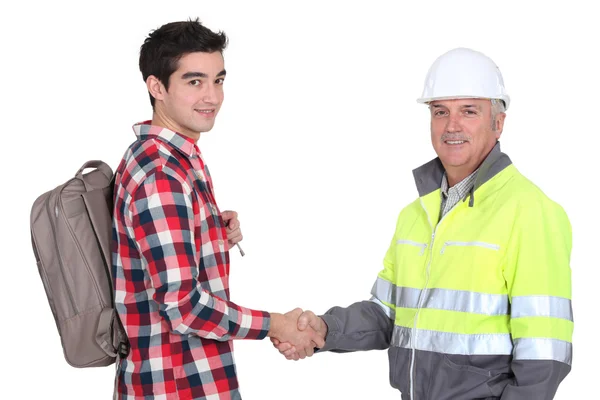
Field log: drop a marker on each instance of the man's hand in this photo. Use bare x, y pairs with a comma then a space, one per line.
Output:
306, 320
284, 329
234, 233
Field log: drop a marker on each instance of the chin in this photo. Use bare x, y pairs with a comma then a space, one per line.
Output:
453, 161
201, 128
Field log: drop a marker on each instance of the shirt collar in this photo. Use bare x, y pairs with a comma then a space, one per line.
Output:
145, 130
463, 187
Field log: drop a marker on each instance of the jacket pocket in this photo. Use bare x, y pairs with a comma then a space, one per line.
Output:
458, 380
399, 359
467, 368
422, 246
466, 244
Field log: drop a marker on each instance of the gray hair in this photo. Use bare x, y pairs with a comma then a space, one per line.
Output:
498, 107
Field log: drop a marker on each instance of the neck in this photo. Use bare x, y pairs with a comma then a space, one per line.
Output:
456, 175
159, 119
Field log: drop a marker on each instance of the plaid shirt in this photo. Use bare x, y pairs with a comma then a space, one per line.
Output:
171, 270
451, 196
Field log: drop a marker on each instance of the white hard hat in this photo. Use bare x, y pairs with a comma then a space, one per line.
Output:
464, 74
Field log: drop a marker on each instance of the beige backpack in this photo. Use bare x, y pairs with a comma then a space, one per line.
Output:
71, 230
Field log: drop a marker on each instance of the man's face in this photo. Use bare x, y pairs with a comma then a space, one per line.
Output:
461, 131
195, 93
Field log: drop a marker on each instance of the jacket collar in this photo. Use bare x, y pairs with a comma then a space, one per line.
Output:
428, 177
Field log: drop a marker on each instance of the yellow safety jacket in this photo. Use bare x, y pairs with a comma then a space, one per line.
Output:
479, 301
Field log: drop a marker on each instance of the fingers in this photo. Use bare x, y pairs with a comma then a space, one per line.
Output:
232, 227
234, 237
286, 348
301, 354
289, 352
229, 217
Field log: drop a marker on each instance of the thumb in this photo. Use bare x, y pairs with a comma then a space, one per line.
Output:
307, 318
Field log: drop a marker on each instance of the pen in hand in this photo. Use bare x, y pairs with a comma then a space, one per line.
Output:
240, 249
237, 244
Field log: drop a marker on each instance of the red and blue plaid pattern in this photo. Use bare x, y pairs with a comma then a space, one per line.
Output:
171, 269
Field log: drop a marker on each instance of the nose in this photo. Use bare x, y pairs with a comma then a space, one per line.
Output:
453, 124
211, 95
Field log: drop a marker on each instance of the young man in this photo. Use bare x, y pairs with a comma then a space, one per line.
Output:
171, 242
474, 300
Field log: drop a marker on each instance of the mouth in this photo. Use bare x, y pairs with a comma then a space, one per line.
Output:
455, 142
206, 112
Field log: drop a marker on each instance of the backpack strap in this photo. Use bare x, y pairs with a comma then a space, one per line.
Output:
104, 335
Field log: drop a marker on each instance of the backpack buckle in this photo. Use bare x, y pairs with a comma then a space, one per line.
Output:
123, 350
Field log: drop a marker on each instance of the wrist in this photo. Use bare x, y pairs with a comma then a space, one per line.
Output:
275, 326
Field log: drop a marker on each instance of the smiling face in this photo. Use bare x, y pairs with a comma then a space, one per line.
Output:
463, 132
194, 97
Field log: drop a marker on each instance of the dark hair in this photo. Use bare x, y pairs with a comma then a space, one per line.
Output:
162, 49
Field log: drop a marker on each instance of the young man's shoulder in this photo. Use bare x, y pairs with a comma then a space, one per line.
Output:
146, 158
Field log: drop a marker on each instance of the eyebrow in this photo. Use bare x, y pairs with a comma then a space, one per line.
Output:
463, 106
189, 75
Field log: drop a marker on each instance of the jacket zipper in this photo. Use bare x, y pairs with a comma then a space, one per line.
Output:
414, 335
60, 264
423, 246
476, 244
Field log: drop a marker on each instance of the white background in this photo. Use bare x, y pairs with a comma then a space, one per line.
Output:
314, 147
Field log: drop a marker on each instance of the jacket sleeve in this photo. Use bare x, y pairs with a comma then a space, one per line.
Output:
538, 278
366, 325
163, 227
361, 326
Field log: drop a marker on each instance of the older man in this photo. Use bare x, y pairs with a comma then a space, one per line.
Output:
473, 301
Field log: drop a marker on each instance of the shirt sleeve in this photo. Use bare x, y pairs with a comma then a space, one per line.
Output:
162, 219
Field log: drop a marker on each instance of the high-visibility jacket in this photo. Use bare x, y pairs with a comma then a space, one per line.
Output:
477, 304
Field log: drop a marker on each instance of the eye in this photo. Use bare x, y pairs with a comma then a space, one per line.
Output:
470, 112
439, 113
195, 82
220, 81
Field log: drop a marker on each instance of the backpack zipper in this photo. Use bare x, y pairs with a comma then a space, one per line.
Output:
52, 215
81, 253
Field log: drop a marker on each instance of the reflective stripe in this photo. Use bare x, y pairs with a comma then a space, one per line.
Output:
423, 246
453, 343
384, 291
476, 244
541, 306
471, 302
441, 299
543, 349
387, 310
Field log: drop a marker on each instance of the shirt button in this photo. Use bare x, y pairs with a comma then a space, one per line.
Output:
221, 242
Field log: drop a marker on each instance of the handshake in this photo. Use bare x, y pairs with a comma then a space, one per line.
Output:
296, 334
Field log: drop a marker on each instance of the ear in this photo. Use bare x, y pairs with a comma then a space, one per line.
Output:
499, 124
155, 87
